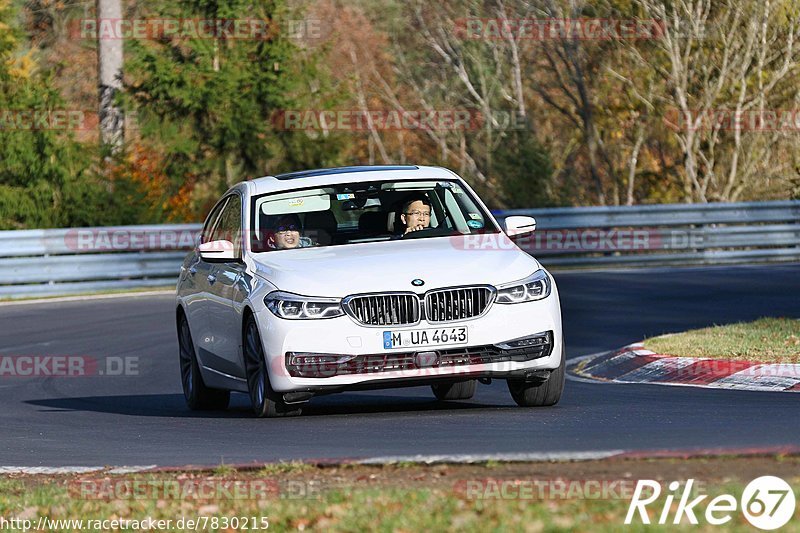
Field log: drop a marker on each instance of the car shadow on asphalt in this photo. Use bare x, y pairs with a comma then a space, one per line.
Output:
173, 405
161, 405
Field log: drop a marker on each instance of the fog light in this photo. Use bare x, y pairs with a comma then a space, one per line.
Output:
540, 339
311, 359
314, 365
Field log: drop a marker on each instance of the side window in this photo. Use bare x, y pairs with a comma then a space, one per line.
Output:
211, 221
229, 226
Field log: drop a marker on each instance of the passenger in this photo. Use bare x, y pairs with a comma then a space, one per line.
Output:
415, 213
286, 234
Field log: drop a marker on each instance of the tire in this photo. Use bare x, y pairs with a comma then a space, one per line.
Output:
463, 390
198, 396
266, 402
540, 394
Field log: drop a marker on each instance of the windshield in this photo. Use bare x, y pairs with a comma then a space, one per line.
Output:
350, 213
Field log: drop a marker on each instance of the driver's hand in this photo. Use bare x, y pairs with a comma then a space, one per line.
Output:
415, 228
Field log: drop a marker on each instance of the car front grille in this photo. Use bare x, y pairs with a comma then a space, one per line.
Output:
446, 305
390, 309
404, 308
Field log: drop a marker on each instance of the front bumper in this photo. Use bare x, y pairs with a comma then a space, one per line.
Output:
374, 366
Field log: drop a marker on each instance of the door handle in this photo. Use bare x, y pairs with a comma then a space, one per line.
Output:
211, 278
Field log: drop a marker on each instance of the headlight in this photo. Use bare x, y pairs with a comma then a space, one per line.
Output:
534, 287
294, 306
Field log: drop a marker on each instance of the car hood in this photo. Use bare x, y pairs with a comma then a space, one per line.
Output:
338, 271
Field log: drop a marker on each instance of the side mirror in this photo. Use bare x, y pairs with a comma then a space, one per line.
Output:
519, 225
217, 252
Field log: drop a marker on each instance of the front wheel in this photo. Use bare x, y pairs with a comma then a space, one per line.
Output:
265, 401
198, 396
540, 394
463, 390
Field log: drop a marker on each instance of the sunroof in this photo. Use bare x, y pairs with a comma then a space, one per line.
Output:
342, 170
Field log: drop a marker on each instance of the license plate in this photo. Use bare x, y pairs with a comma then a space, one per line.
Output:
424, 337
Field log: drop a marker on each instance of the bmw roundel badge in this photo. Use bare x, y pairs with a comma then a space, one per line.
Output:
417, 282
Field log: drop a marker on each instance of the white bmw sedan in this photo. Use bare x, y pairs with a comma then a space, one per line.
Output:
356, 278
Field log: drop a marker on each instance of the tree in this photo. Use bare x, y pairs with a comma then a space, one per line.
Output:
571, 72
109, 75
207, 103
41, 165
439, 66
726, 68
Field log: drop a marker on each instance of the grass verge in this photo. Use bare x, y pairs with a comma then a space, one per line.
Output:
771, 340
390, 498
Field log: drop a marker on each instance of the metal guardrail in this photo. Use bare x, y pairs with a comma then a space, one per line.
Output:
57, 262
84, 260
665, 234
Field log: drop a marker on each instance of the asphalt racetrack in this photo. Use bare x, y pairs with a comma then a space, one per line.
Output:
142, 419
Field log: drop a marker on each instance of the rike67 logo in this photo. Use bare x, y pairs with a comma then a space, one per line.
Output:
767, 502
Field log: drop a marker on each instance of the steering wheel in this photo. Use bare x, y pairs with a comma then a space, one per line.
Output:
427, 232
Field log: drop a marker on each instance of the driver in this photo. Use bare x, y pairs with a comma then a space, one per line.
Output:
415, 213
